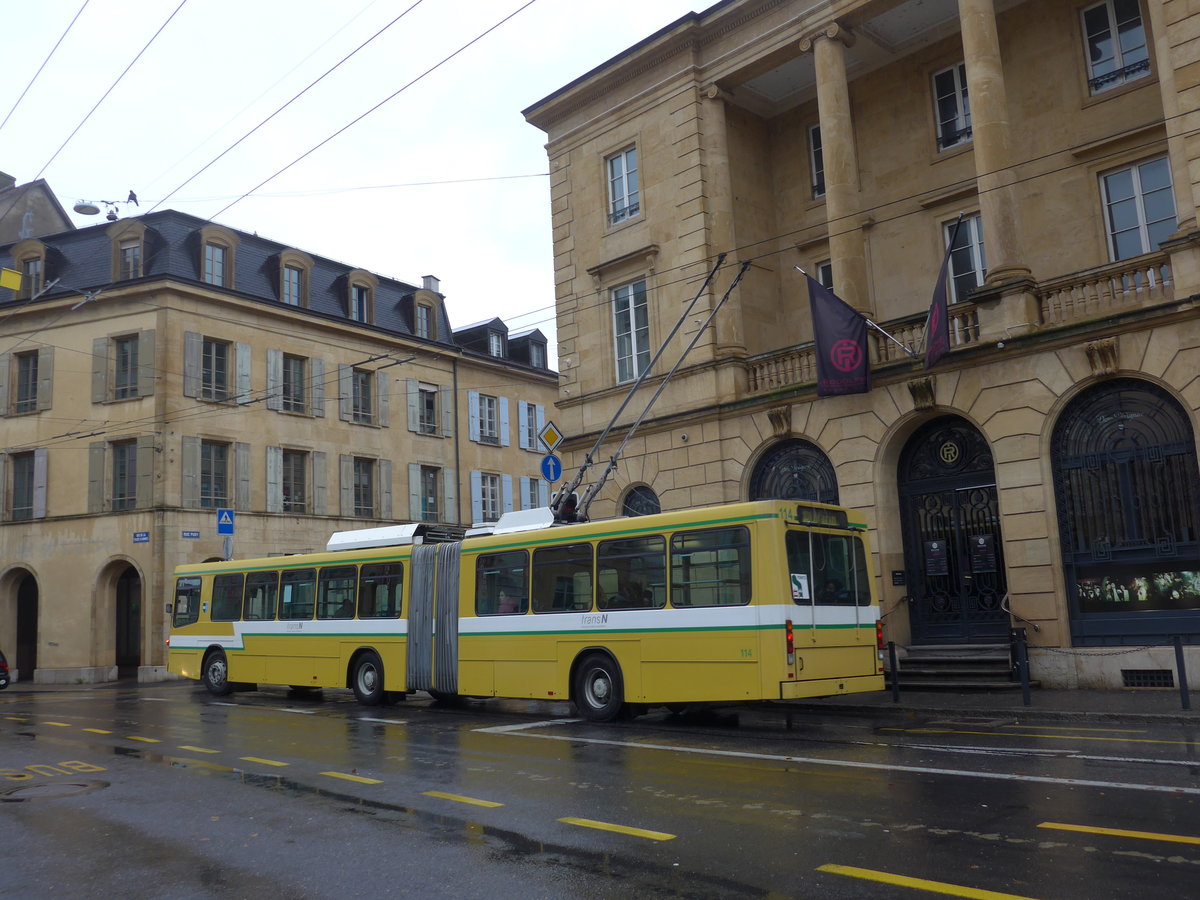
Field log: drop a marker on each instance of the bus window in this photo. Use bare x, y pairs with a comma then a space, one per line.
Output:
632, 573
831, 569
227, 598
336, 592
296, 590
262, 590
710, 568
187, 600
502, 584
562, 579
380, 587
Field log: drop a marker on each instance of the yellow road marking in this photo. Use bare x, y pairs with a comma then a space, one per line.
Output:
1069, 728
459, 798
59, 724
16, 718
1063, 737
144, 740
198, 749
97, 731
265, 762
920, 884
620, 829
1119, 832
358, 778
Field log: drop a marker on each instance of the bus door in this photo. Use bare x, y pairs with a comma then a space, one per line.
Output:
433, 618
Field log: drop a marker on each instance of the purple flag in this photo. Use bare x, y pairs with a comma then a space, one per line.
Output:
841, 337
937, 326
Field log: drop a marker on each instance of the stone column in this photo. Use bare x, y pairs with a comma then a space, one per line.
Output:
843, 202
727, 327
990, 132
1173, 48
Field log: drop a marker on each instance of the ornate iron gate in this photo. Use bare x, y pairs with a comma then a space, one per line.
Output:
953, 548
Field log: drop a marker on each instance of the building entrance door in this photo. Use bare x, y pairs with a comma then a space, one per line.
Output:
26, 660
953, 548
129, 623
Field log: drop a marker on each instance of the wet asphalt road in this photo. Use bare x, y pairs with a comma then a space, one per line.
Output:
167, 792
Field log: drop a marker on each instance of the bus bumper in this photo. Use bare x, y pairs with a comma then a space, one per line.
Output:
830, 687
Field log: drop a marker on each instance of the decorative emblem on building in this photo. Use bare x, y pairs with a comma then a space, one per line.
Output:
949, 453
1103, 356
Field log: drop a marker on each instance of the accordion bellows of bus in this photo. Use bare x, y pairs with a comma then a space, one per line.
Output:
768, 600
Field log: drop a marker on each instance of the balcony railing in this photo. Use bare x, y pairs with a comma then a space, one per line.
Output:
1091, 294
1140, 281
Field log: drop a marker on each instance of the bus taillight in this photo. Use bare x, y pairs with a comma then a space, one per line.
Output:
791, 643
879, 634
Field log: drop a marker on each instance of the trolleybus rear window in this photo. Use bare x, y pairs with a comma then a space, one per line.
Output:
827, 569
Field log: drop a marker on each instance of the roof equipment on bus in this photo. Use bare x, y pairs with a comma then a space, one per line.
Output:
515, 521
385, 536
565, 499
594, 489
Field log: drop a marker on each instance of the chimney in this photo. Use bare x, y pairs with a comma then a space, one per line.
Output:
6, 181
431, 283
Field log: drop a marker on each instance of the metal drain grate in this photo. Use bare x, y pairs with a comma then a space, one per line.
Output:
1148, 678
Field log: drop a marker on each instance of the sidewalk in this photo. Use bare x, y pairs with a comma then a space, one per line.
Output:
1144, 705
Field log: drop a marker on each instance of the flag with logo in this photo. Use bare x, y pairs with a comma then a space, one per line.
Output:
840, 333
937, 326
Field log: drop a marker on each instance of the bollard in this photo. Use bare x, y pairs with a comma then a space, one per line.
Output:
895, 671
1022, 664
1181, 670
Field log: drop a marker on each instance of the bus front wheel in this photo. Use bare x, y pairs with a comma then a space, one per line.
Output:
599, 692
215, 674
367, 679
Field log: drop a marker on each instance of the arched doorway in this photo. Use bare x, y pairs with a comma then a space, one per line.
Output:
794, 469
1125, 482
128, 604
953, 549
26, 659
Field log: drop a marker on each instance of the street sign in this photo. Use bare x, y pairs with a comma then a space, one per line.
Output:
224, 521
141, 537
189, 535
551, 467
550, 437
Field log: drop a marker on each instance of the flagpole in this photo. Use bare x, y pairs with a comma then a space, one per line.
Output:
945, 259
871, 324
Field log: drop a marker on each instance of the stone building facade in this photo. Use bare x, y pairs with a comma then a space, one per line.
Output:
163, 379
1043, 474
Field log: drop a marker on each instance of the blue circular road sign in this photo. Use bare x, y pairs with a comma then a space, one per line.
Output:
551, 467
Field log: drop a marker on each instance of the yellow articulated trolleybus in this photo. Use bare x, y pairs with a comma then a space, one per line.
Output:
768, 600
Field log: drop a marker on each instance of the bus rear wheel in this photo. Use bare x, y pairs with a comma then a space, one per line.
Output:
599, 690
367, 679
215, 674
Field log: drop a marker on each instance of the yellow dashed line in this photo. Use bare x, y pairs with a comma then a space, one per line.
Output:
265, 762
97, 731
198, 749
459, 798
358, 778
144, 740
59, 724
920, 884
619, 829
1119, 832
16, 718
1068, 728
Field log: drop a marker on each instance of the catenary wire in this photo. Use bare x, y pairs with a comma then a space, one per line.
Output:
53, 49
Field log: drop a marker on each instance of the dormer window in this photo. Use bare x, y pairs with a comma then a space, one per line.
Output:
128, 238
30, 259
294, 275
537, 355
217, 255
495, 343
360, 296
424, 323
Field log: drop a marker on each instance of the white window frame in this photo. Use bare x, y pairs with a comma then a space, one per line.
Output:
969, 258
1127, 63
362, 403
627, 299
624, 195
293, 286
495, 344
216, 259
1136, 170
816, 161
210, 476
825, 274
424, 323
951, 131
129, 255
360, 303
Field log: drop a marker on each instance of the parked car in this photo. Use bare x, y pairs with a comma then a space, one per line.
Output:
4, 677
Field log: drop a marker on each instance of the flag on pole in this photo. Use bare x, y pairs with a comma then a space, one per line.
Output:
11, 279
937, 326
840, 332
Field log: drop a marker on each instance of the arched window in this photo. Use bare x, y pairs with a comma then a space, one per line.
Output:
640, 501
1125, 481
794, 470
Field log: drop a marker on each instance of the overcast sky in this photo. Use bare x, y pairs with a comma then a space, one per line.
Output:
444, 179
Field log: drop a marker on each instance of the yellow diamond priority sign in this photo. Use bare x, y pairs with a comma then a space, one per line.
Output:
550, 437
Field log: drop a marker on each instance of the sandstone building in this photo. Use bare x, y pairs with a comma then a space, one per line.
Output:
1042, 475
155, 371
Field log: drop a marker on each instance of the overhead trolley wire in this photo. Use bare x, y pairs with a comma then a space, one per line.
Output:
43, 65
381, 103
